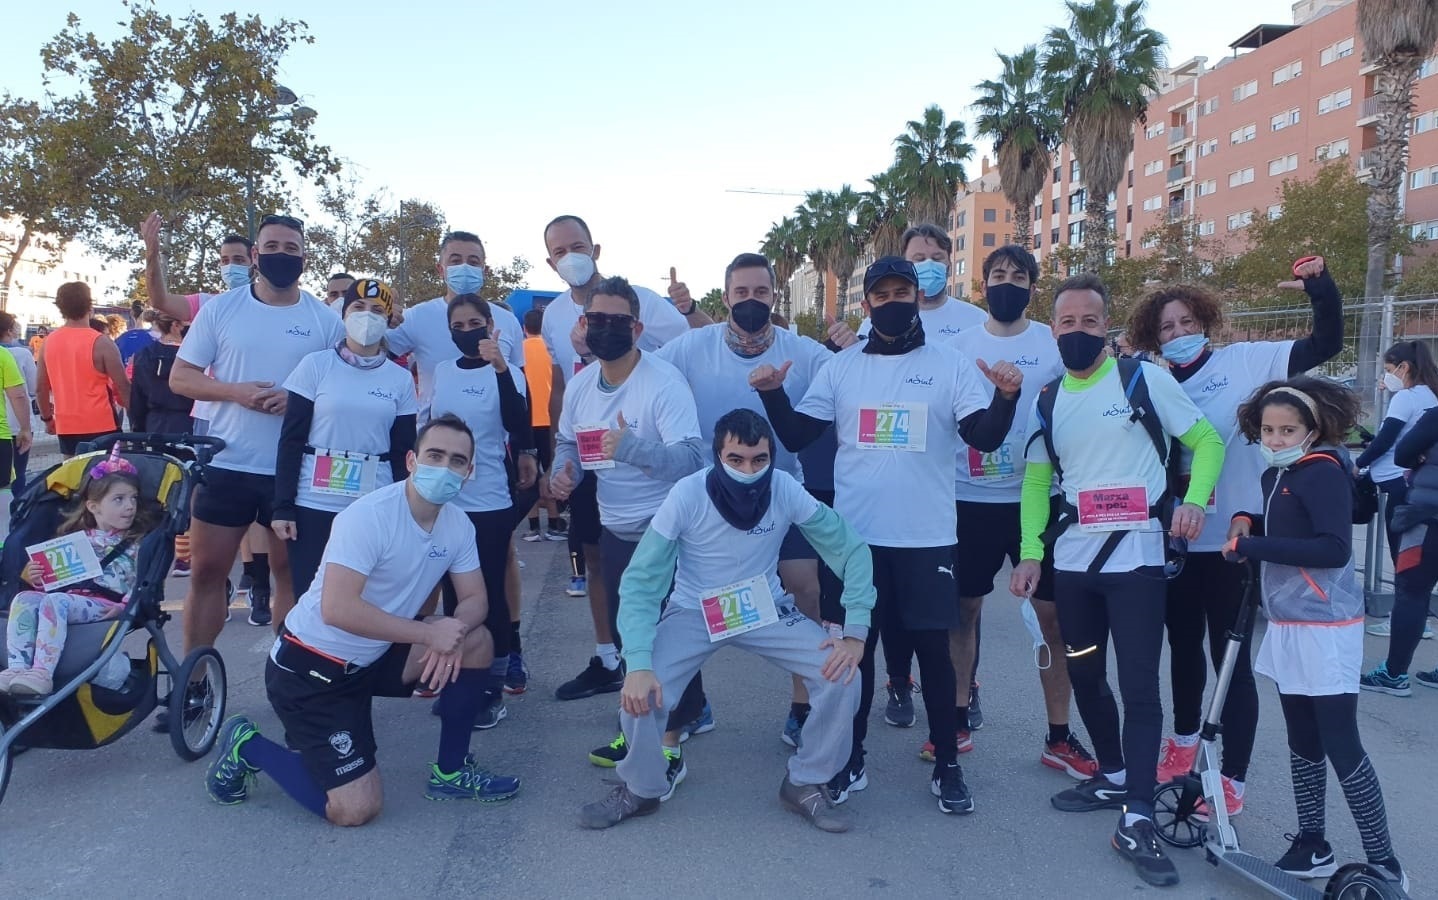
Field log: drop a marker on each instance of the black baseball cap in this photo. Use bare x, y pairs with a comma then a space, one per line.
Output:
886, 266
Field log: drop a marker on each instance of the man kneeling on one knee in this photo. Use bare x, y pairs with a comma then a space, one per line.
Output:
353, 636
716, 538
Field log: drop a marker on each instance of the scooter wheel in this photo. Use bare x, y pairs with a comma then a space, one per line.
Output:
1175, 827
1359, 881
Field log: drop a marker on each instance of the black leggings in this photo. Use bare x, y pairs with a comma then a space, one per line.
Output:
493, 531
312, 528
1416, 574
616, 553
1208, 593
1130, 607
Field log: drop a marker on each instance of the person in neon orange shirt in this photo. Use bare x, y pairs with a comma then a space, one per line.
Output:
77, 371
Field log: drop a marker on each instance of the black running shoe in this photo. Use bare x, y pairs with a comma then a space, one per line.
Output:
900, 709
260, 607
948, 785
1090, 796
1310, 856
1138, 843
595, 679
976, 712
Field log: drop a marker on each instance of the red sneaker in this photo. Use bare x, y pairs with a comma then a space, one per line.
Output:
965, 742
1231, 799
1174, 761
1070, 757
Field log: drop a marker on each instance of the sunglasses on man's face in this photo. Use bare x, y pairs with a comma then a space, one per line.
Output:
608, 320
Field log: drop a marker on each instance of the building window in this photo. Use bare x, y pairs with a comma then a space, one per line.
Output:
1074, 173
1205, 228
1243, 135
1242, 176
989, 239
1244, 91
1285, 119
1207, 187
1283, 164
1288, 72
1275, 211
1153, 167
1076, 201
1334, 52
1208, 147
1237, 221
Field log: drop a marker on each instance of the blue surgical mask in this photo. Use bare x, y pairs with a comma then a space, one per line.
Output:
1184, 350
235, 275
437, 484
1282, 459
743, 478
464, 278
1031, 622
933, 277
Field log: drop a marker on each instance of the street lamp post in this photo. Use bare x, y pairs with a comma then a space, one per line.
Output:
299, 115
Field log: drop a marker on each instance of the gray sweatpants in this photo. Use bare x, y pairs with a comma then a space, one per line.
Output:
681, 646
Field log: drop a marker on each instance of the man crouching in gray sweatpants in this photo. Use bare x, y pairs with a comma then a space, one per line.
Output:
716, 538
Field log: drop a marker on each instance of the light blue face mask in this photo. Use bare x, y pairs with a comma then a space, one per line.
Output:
1184, 350
437, 484
235, 275
464, 278
742, 477
1043, 656
933, 277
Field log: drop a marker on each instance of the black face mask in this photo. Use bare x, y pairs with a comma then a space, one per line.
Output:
741, 505
750, 315
610, 343
1007, 301
1079, 349
281, 269
468, 341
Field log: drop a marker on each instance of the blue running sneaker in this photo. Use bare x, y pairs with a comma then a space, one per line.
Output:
470, 783
227, 779
793, 732
516, 677
702, 725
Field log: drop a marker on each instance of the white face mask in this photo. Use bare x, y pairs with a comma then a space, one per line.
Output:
365, 328
1392, 383
576, 269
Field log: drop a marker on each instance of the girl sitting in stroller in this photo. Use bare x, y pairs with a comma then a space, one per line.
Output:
109, 513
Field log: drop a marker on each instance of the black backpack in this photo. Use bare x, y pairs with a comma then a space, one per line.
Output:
1135, 391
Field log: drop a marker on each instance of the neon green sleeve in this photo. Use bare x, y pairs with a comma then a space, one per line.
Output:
845, 552
1207, 449
1034, 509
643, 587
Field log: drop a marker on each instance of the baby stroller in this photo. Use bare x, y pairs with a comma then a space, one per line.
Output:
81, 713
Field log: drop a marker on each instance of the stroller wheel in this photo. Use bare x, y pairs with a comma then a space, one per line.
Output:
197, 703
1175, 826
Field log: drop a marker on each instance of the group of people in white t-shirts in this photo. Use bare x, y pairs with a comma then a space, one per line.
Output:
959, 439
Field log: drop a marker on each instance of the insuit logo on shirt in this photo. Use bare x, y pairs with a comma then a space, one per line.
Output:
762, 529
297, 331
342, 742
383, 395
438, 552
474, 391
1215, 383
919, 379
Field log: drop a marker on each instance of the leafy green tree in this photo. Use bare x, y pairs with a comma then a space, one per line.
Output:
1101, 71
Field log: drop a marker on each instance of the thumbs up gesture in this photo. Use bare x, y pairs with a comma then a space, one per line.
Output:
613, 436
840, 334
679, 293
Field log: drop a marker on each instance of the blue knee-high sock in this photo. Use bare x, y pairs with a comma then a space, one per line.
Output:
459, 706
287, 769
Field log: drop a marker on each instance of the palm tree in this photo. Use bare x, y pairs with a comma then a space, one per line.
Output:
1025, 127
929, 161
1099, 71
781, 248
881, 216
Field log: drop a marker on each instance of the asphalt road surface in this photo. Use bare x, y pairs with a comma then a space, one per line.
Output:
133, 820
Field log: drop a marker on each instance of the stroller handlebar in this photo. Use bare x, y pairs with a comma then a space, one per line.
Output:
203, 447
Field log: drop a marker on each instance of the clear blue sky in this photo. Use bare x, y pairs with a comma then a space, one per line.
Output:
634, 115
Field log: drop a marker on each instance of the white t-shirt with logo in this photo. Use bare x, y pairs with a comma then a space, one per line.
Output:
719, 377
1100, 448
657, 406
425, 334
880, 404
378, 537
998, 477
473, 395
942, 322
354, 410
238, 338
1227, 380
713, 553
662, 324
1407, 406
